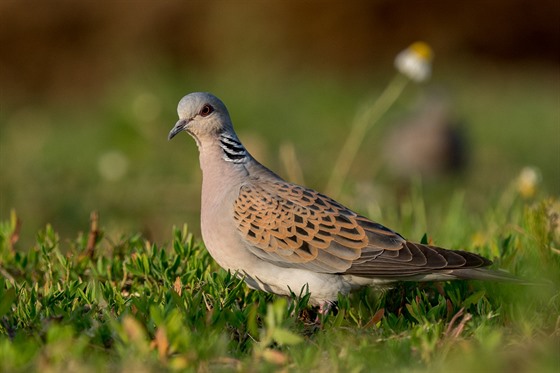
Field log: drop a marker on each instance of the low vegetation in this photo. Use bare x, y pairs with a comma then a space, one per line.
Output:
94, 303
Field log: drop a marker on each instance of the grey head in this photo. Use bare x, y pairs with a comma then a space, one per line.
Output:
207, 120
203, 116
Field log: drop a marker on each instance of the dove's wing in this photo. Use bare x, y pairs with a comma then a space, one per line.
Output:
292, 226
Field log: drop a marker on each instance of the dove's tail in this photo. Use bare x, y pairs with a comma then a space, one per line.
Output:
482, 273
487, 275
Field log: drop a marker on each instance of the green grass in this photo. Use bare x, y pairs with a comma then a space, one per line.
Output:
129, 304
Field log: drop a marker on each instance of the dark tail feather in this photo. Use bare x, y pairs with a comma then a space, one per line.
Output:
489, 274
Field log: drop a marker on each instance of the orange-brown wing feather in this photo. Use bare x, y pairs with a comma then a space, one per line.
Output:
293, 226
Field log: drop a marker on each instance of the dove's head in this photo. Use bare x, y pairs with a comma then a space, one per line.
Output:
202, 115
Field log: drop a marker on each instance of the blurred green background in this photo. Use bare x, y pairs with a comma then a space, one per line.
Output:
89, 92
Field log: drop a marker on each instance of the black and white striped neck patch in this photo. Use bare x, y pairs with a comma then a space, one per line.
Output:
234, 151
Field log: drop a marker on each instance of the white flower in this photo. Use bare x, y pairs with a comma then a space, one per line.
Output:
415, 62
527, 181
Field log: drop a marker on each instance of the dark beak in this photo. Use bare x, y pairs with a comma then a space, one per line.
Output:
179, 126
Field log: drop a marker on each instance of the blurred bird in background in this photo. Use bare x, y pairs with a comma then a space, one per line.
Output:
430, 142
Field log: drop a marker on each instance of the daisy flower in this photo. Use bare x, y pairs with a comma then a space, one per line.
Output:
415, 62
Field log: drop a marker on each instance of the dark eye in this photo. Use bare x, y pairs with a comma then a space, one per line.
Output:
206, 110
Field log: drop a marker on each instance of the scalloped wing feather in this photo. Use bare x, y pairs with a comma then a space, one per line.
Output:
292, 226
